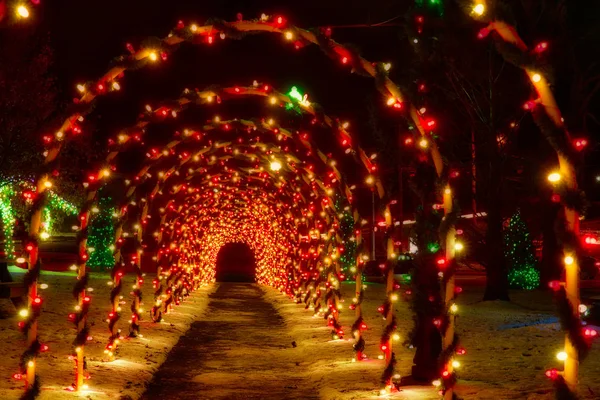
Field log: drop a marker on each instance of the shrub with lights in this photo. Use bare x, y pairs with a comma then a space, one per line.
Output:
102, 235
519, 253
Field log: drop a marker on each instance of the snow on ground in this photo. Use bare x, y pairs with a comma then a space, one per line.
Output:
509, 346
137, 359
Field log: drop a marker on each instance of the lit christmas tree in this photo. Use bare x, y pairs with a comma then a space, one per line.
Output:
348, 257
101, 236
519, 253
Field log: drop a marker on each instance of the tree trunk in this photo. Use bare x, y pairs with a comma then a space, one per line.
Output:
550, 269
496, 286
428, 340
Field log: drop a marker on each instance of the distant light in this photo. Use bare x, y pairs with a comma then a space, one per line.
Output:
569, 260
153, 56
554, 177
479, 9
275, 166
536, 78
370, 180
562, 356
458, 246
22, 11
44, 235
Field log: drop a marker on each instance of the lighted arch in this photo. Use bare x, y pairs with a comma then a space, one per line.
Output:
245, 124
300, 37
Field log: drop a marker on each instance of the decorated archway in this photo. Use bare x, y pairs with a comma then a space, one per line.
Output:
321, 254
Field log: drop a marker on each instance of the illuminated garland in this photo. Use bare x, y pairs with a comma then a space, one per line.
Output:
277, 25
547, 116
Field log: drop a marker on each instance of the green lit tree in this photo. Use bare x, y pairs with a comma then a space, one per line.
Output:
519, 253
347, 258
101, 236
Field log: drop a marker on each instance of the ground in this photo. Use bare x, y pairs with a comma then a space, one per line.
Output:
243, 337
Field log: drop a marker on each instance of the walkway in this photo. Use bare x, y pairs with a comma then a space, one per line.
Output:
240, 349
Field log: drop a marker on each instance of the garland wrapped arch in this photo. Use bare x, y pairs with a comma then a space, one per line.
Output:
547, 115
160, 50
156, 155
134, 135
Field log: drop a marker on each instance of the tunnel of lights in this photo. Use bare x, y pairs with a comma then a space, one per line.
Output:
183, 217
246, 189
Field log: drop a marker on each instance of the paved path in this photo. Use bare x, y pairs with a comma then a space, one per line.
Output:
239, 349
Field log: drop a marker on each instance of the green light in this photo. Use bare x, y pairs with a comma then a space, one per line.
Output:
101, 236
433, 247
519, 254
348, 257
7, 215
295, 94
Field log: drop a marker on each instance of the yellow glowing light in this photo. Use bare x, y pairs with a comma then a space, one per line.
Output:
562, 356
423, 143
569, 260
387, 66
396, 336
81, 88
275, 166
153, 56
479, 9
22, 11
394, 297
44, 235
458, 246
24, 313
116, 86
391, 101
455, 364
105, 172
536, 78
370, 180
554, 177
453, 308
289, 35
194, 27
437, 382
273, 100
31, 364
21, 260
48, 184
